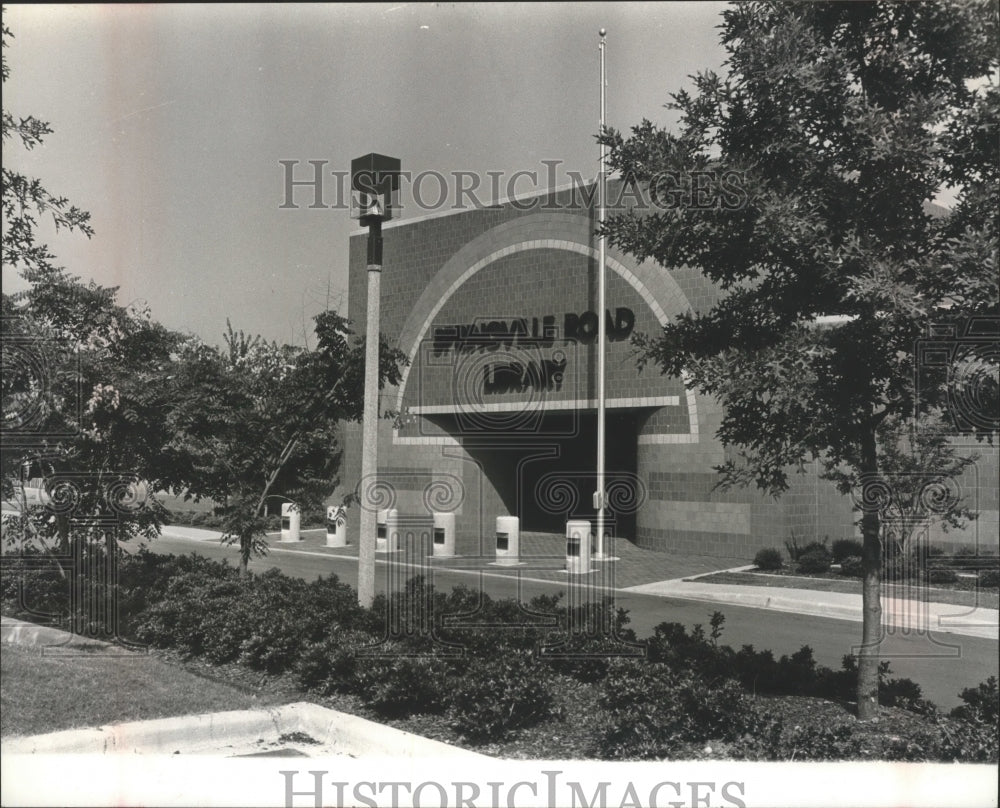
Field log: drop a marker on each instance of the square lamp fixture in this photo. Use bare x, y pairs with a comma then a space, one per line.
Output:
374, 187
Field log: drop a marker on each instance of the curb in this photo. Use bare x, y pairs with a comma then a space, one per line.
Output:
214, 733
20, 632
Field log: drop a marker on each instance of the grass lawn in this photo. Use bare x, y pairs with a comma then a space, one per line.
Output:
51, 692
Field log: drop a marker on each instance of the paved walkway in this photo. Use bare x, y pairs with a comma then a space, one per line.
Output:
663, 575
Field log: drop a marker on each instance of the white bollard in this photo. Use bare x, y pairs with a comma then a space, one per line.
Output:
290, 521
336, 526
387, 531
444, 534
381, 530
578, 545
508, 540
392, 527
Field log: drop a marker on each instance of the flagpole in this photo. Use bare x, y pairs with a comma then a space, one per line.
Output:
601, 327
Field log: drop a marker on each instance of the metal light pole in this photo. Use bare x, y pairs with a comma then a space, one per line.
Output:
601, 328
373, 178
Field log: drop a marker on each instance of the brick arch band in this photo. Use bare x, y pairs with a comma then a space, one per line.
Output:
541, 231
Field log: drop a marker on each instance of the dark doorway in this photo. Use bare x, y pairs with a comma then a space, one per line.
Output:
547, 474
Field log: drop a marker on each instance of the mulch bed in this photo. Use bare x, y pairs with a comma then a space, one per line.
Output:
568, 737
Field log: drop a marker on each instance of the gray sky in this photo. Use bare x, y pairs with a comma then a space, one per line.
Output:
170, 122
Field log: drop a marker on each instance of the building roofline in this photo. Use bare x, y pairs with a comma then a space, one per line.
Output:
568, 186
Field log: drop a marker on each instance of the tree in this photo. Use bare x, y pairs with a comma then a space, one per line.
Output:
25, 198
257, 421
806, 173
77, 399
83, 384
921, 468
81, 408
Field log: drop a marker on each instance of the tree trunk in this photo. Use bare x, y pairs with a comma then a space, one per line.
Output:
871, 595
244, 556
62, 530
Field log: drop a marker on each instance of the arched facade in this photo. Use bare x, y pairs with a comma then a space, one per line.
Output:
496, 414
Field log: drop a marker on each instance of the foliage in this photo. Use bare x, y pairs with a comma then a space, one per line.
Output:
844, 548
966, 741
989, 579
793, 548
920, 486
982, 703
499, 695
25, 198
652, 711
811, 162
940, 575
759, 672
852, 567
796, 550
394, 684
768, 558
80, 408
692, 690
329, 665
255, 421
814, 560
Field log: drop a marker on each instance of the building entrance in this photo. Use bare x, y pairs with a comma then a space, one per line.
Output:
546, 474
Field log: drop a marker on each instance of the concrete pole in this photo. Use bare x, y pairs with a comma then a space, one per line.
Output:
369, 422
599, 553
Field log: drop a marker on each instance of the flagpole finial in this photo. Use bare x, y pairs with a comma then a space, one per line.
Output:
603, 33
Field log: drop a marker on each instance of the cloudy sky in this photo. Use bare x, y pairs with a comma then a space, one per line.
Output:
171, 121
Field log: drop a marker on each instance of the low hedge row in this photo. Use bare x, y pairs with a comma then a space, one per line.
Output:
211, 520
492, 667
935, 567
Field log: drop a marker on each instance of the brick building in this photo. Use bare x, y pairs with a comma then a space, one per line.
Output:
496, 309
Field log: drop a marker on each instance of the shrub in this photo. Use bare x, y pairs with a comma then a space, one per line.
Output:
989, 579
34, 588
193, 607
796, 550
498, 696
653, 712
966, 741
586, 659
484, 627
598, 632
815, 560
940, 575
845, 548
395, 685
812, 742
277, 622
328, 666
793, 547
759, 672
768, 558
672, 645
982, 703
898, 569
852, 567
904, 693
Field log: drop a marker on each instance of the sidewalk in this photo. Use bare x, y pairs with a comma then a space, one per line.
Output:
903, 615
664, 575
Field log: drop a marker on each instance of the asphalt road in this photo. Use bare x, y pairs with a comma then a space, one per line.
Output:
942, 671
